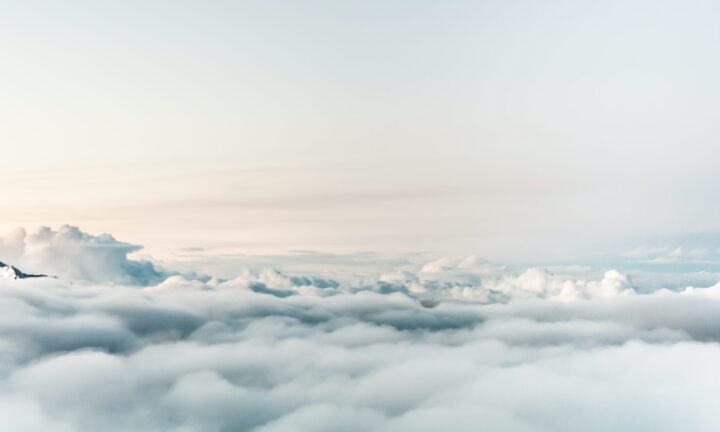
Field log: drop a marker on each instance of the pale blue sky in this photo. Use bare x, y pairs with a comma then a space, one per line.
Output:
511, 129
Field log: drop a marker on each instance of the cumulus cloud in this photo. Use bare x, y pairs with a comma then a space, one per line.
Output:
474, 280
268, 351
186, 355
72, 254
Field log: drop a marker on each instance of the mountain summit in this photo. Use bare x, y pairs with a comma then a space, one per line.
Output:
10, 272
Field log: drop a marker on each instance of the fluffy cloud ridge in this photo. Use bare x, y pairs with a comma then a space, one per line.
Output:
187, 355
72, 254
274, 352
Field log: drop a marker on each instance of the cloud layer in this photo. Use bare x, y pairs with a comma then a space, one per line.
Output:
535, 350
186, 355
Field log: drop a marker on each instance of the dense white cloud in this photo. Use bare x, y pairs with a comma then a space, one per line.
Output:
268, 351
70, 253
186, 355
472, 280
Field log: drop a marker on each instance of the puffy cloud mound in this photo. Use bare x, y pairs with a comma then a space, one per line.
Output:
473, 280
72, 254
268, 352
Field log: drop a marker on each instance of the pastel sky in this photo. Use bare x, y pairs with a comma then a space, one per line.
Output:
359, 215
509, 129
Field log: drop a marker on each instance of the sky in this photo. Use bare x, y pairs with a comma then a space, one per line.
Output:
392, 216
515, 130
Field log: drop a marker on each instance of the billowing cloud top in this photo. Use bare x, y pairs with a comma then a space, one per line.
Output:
72, 254
269, 351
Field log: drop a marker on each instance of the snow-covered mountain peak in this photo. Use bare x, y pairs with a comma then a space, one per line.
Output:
10, 272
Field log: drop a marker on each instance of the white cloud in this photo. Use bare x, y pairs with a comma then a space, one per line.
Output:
270, 351
473, 280
72, 254
193, 356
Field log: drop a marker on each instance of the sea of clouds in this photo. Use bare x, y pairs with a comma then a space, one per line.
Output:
117, 344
